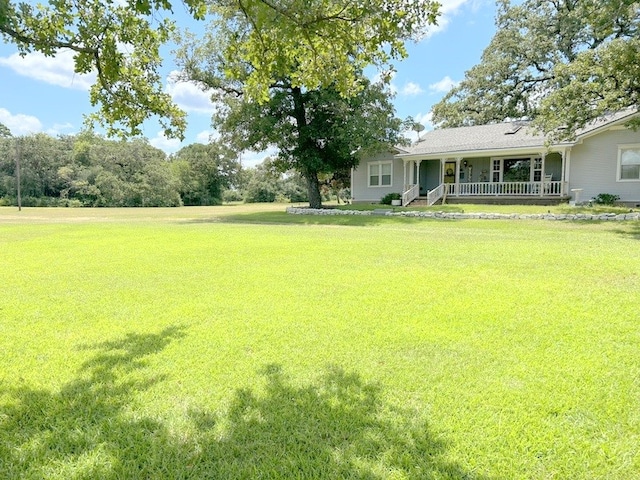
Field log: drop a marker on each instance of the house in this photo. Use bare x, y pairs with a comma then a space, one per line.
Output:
508, 162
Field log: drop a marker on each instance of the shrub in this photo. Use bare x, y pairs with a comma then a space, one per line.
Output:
232, 196
606, 199
386, 200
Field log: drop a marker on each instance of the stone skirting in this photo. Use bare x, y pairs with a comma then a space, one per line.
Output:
461, 216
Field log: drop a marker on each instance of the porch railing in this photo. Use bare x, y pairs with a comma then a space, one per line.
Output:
410, 194
436, 194
553, 188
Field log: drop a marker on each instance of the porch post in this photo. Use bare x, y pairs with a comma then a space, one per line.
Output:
441, 173
457, 186
543, 155
418, 162
404, 175
566, 170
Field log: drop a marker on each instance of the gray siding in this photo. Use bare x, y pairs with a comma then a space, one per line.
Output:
594, 165
363, 193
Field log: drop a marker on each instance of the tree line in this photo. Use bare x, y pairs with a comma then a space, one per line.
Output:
89, 170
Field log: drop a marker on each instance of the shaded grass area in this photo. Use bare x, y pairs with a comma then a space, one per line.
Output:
329, 429
148, 347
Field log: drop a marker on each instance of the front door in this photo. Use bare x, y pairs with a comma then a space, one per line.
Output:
450, 172
430, 175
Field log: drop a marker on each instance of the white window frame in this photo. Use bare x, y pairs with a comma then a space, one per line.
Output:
621, 149
379, 164
500, 163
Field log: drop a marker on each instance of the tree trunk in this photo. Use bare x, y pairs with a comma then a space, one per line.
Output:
313, 186
305, 146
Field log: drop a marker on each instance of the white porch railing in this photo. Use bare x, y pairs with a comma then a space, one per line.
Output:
514, 189
410, 194
436, 194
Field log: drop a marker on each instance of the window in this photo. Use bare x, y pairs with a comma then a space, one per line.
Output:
629, 162
380, 174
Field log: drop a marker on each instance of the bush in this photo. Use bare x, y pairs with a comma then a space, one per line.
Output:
386, 200
232, 196
606, 199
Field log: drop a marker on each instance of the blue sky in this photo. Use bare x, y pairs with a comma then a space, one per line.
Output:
41, 94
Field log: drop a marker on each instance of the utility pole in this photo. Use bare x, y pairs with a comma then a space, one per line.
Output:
18, 157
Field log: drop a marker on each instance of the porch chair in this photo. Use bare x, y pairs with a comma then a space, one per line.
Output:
547, 182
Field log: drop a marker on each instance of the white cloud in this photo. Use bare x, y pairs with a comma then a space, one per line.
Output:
20, 124
204, 136
61, 129
251, 159
168, 145
443, 86
411, 89
448, 9
189, 96
57, 70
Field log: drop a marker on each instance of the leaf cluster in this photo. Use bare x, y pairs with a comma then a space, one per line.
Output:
310, 42
560, 62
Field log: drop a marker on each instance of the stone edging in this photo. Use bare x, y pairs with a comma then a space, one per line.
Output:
460, 216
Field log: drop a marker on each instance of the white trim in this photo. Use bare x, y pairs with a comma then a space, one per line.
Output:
622, 147
380, 163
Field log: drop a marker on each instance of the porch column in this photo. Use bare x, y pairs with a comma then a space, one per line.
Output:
441, 175
543, 155
404, 177
418, 174
457, 185
566, 170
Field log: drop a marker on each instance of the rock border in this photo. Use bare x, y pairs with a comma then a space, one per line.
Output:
464, 216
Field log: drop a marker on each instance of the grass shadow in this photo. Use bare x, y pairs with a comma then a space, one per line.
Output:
337, 427
283, 218
631, 230
82, 430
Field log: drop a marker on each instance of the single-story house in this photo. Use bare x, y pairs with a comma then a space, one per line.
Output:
507, 162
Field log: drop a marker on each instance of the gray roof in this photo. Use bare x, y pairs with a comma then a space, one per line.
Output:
496, 136
479, 139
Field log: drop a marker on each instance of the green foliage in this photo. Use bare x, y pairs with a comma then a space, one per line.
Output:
386, 200
314, 43
606, 199
316, 131
91, 171
266, 184
4, 130
203, 171
562, 63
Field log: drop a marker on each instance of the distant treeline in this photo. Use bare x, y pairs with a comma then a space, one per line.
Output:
89, 170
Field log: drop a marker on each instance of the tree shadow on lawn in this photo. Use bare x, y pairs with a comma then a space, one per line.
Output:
632, 230
283, 218
337, 427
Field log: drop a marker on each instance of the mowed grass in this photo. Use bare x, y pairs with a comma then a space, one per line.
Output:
235, 342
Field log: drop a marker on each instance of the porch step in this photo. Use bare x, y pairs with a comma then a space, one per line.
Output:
422, 202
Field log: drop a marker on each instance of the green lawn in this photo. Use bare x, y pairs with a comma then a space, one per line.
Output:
240, 342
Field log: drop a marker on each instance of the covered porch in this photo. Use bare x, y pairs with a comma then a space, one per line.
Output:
513, 178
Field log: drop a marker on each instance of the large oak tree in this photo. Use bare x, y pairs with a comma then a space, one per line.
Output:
317, 131
560, 62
